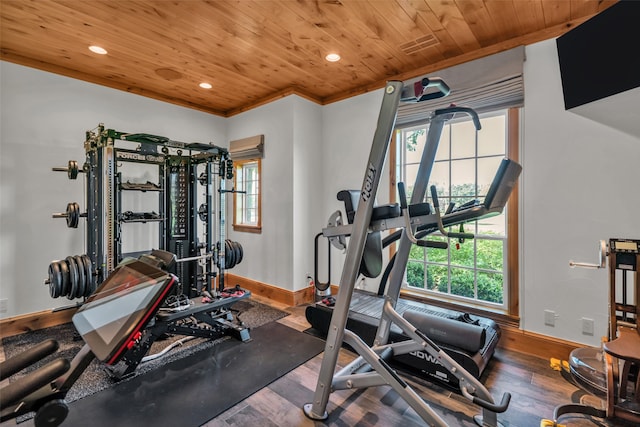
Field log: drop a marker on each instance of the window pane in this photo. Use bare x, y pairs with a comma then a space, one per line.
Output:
440, 178
414, 140
489, 256
410, 178
463, 177
490, 287
492, 136
417, 253
437, 279
437, 255
463, 140
415, 274
495, 225
487, 168
443, 145
462, 283
247, 180
472, 269
462, 254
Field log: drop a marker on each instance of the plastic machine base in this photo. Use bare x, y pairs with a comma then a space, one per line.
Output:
364, 317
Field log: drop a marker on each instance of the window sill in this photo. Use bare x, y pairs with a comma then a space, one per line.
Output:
248, 228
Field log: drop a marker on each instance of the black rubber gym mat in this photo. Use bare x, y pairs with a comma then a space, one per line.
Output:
191, 391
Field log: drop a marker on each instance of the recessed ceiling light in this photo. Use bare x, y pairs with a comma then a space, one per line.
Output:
97, 49
205, 85
332, 57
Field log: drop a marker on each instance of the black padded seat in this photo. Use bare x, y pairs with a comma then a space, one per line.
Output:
371, 264
385, 211
350, 199
419, 209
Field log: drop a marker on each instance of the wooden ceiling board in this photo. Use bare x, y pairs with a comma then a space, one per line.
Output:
480, 21
255, 51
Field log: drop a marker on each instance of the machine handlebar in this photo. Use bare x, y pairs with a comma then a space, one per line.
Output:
497, 408
470, 111
422, 90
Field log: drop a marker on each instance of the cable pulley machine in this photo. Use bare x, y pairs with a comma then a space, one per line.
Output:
186, 199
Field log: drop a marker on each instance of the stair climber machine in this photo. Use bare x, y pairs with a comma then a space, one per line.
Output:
383, 329
147, 196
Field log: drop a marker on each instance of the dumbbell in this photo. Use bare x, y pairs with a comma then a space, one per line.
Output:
72, 215
72, 169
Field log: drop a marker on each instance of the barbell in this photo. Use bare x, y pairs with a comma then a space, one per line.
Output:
72, 214
72, 169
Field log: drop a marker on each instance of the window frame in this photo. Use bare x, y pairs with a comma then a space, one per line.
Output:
238, 225
510, 313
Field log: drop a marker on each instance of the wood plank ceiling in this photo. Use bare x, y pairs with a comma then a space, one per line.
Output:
253, 52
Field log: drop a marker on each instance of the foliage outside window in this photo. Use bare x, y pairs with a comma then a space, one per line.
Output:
473, 272
247, 200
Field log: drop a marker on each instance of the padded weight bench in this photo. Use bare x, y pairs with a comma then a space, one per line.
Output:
110, 322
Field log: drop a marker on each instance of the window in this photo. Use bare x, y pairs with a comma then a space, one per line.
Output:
247, 200
477, 272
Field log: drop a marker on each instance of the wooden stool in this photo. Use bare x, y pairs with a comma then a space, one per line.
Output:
624, 349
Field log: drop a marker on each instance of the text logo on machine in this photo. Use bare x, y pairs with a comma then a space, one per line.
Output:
139, 157
368, 183
425, 356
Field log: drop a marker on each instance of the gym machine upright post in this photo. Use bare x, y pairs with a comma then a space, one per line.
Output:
370, 368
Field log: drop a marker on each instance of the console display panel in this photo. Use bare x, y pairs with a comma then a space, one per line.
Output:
118, 310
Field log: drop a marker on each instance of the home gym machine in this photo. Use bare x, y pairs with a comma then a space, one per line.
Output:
371, 367
110, 322
611, 372
172, 191
471, 340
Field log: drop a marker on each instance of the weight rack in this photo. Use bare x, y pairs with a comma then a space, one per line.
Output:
183, 170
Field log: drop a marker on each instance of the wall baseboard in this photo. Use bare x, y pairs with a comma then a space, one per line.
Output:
274, 293
513, 339
33, 321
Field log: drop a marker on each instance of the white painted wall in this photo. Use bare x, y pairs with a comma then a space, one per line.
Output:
308, 182
580, 185
268, 255
43, 124
348, 130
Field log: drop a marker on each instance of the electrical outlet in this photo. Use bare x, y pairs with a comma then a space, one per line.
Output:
550, 318
587, 326
4, 303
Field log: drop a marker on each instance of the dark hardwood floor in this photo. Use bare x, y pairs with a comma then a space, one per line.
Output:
535, 388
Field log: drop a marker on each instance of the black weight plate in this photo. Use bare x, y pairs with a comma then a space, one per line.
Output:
82, 284
236, 254
90, 279
88, 274
73, 277
239, 253
55, 280
70, 214
73, 214
76, 215
66, 280
229, 255
234, 262
72, 169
